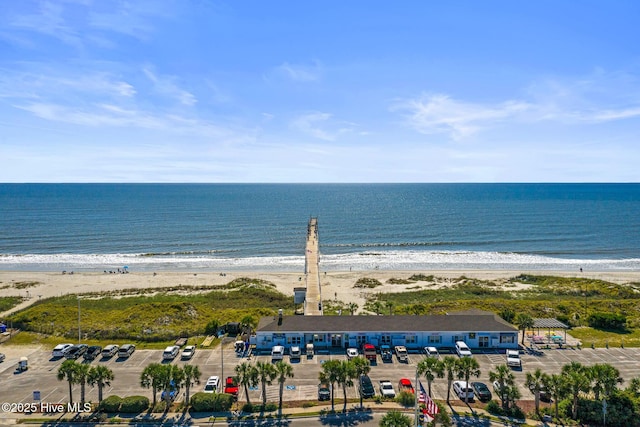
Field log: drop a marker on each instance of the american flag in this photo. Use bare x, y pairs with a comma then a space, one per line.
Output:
430, 406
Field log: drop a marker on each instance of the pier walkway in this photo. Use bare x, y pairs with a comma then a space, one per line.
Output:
313, 299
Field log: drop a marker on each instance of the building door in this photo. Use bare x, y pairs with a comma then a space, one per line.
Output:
336, 340
483, 342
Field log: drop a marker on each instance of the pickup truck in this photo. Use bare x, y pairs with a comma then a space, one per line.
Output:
401, 354
513, 359
386, 389
369, 351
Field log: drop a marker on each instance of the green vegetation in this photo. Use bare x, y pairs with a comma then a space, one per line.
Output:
367, 282
211, 402
7, 303
134, 404
152, 318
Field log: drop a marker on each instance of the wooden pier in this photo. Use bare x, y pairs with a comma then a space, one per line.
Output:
313, 298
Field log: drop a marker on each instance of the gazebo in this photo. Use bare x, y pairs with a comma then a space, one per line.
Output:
549, 324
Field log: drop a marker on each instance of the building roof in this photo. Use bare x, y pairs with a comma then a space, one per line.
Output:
483, 322
543, 322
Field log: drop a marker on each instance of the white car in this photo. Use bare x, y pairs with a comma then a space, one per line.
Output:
110, 351
431, 352
61, 350
352, 352
295, 352
170, 352
463, 390
513, 359
386, 389
463, 349
188, 352
211, 386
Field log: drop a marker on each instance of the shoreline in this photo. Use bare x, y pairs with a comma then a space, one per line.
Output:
336, 285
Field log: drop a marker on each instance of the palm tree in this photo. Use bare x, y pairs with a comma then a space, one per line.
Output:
82, 373
247, 376
352, 307
395, 418
283, 371
466, 368
101, 376
555, 385
346, 374
266, 374
449, 367
192, 374
361, 366
329, 375
430, 368
605, 379
524, 322
67, 371
377, 307
505, 379
535, 382
634, 386
248, 323
577, 381
150, 378
389, 305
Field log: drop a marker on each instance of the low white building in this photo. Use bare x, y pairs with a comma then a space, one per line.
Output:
479, 329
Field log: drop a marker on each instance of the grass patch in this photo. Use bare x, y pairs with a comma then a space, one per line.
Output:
396, 281
7, 303
366, 282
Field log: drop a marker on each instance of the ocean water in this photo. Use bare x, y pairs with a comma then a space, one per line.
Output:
262, 227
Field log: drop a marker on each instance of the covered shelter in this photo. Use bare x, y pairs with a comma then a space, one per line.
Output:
550, 324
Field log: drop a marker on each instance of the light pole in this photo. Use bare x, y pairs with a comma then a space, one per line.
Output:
79, 335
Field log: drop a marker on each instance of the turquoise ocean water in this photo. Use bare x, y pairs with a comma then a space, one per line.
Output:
262, 227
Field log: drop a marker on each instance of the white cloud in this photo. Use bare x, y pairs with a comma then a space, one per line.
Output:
440, 113
165, 85
299, 72
321, 126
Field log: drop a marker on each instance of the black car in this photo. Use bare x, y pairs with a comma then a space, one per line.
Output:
324, 393
366, 387
481, 391
92, 352
76, 351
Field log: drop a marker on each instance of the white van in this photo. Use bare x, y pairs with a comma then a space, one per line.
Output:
170, 352
463, 349
277, 352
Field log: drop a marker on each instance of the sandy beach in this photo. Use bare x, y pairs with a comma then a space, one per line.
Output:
335, 285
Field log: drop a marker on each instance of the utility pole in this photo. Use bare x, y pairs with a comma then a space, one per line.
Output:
79, 334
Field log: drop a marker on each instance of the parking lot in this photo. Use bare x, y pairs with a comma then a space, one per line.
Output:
41, 375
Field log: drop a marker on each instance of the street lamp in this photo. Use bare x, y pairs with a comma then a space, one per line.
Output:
79, 335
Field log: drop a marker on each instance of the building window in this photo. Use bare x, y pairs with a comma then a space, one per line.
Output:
457, 338
385, 339
483, 342
472, 335
435, 339
411, 339
294, 340
507, 338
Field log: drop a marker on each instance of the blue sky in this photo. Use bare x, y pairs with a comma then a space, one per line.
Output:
332, 91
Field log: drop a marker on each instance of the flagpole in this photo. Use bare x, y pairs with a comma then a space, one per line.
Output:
415, 407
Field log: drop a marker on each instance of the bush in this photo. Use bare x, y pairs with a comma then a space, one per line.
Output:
134, 404
212, 327
111, 404
211, 402
367, 282
494, 408
609, 321
406, 399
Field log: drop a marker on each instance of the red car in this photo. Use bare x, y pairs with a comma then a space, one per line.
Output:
405, 385
231, 387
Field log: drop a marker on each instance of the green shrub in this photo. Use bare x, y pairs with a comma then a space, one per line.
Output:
134, 404
111, 404
247, 407
406, 399
366, 282
494, 408
609, 321
211, 402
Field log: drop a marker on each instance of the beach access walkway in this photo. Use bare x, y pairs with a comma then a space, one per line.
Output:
313, 298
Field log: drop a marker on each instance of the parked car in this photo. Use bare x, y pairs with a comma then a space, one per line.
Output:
366, 387
386, 389
481, 391
61, 349
76, 351
295, 352
544, 394
462, 390
126, 350
170, 352
110, 351
324, 392
385, 353
405, 385
513, 359
92, 352
402, 354
171, 393
231, 387
277, 352
211, 386
352, 352
463, 349
431, 352
497, 388
188, 352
